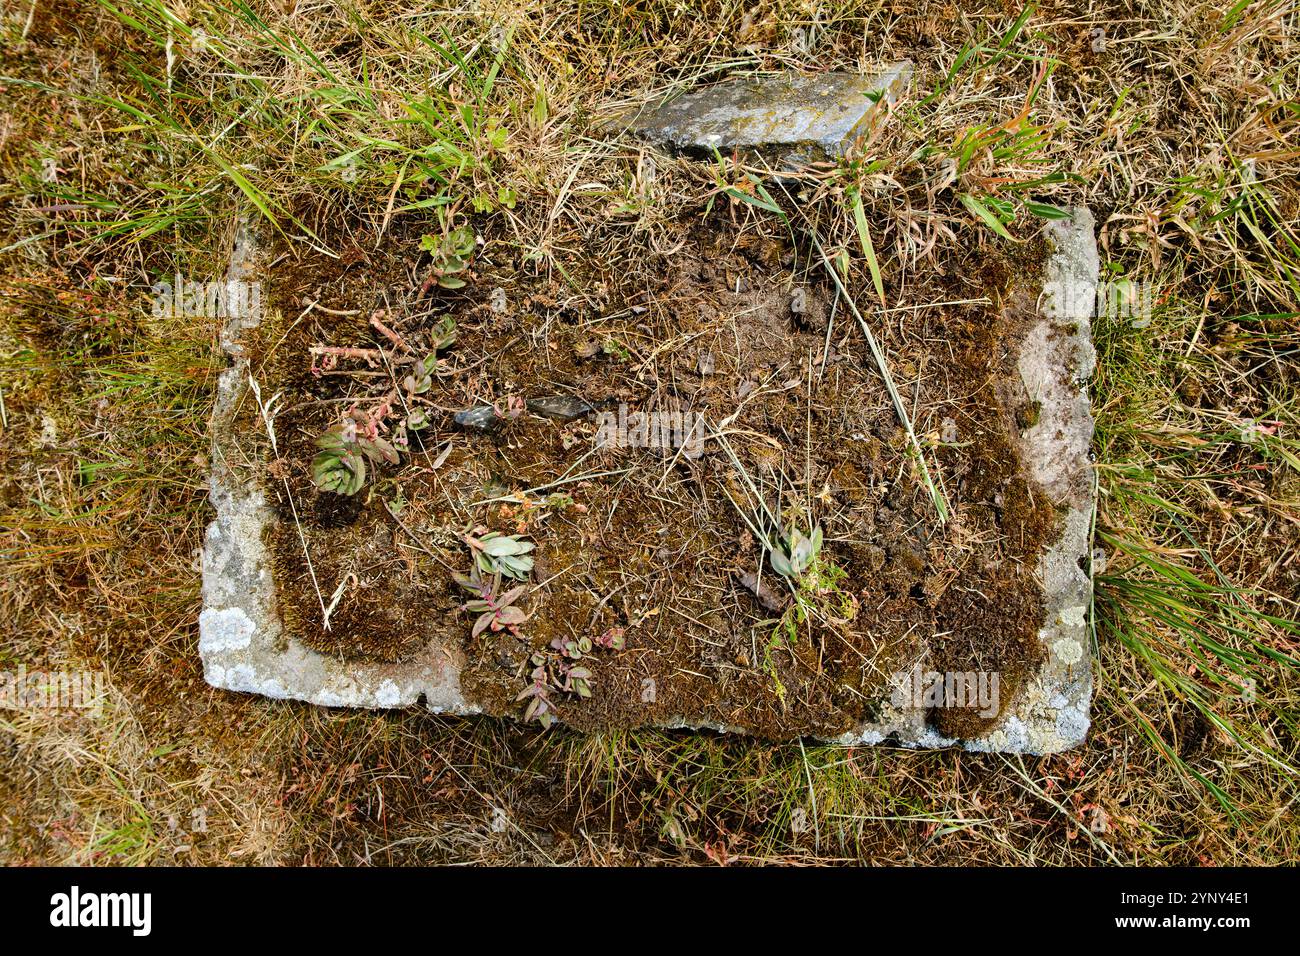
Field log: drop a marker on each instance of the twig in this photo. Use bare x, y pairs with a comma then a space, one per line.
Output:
812, 796
386, 332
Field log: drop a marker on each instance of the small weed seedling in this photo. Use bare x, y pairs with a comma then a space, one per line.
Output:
451, 253
817, 596
495, 610
555, 670
792, 553
559, 670
340, 466
505, 554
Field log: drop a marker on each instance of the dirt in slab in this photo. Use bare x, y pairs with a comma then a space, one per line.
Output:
652, 544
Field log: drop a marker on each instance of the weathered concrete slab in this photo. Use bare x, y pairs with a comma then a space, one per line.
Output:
808, 117
245, 648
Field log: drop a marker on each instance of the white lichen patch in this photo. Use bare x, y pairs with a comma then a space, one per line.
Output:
1067, 651
224, 629
1073, 616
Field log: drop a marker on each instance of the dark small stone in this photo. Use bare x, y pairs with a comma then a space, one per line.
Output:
563, 407
481, 417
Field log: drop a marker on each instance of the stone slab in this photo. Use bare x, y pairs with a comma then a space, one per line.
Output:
806, 117
244, 648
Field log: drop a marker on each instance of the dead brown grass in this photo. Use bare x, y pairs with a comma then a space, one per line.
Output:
1181, 129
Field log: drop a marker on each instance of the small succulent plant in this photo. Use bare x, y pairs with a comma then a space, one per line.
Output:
451, 253
576, 680
570, 648
420, 378
444, 336
794, 552
495, 610
504, 554
559, 669
538, 694
340, 465
555, 671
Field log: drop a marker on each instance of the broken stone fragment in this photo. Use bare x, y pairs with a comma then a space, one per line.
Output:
481, 417
799, 117
766, 596
562, 407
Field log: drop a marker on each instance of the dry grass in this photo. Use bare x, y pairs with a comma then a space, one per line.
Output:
1180, 130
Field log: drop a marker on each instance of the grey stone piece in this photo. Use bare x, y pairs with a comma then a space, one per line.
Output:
243, 646
808, 117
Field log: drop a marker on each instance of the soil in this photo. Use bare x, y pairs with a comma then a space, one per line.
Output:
736, 328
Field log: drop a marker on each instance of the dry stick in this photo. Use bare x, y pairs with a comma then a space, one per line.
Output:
419, 544
981, 300
812, 796
289, 331
1033, 789
514, 496
345, 351
807, 444
479, 793
830, 327
749, 488
320, 308
765, 542
386, 332
338, 595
